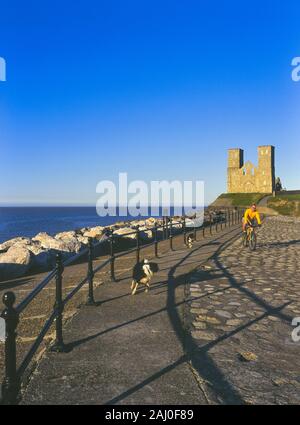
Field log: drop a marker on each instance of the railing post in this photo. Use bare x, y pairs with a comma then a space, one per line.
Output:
58, 345
203, 230
11, 383
171, 234
167, 227
112, 257
155, 240
195, 232
90, 298
210, 223
184, 231
138, 244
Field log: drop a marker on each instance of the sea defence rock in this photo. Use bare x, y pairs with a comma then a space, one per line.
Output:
130, 233
6, 245
15, 262
150, 222
41, 258
66, 235
145, 233
82, 239
70, 240
21, 255
126, 232
48, 242
93, 232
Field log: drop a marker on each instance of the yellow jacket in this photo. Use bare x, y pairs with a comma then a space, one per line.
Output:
250, 215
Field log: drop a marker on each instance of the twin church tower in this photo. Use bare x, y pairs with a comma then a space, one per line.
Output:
248, 178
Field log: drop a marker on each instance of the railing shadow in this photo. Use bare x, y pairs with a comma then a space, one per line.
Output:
15, 283
60, 303
198, 357
281, 244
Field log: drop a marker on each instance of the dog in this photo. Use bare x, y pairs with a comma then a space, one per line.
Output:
142, 274
190, 240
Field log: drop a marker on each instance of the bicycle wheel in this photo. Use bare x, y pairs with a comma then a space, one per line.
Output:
252, 241
245, 239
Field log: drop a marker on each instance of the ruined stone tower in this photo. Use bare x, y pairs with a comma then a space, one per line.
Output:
248, 178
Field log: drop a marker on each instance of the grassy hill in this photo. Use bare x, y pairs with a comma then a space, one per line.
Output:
286, 204
283, 203
237, 199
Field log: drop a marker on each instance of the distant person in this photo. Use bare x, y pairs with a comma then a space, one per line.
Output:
251, 217
278, 185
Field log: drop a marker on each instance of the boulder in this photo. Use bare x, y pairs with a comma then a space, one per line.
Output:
119, 224
82, 231
145, 233
189, 222
83, 239
94, 232
65, 235
20, 240
122, 232
42, 259
48, 242
150, 222
15, 262
177, 225
140, 223
71, 241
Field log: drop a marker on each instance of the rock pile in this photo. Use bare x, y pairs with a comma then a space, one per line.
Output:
19, 256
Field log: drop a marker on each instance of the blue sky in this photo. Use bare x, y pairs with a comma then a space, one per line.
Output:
158, 89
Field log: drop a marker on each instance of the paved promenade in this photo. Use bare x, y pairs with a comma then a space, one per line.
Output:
131, 349
245, 304
214, 329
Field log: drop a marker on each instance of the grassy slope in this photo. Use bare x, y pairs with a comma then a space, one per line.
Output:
286, 204
241, 199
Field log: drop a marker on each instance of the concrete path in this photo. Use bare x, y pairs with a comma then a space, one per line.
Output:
133, 349
263, 206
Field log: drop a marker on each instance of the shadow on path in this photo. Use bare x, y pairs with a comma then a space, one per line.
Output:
198, 357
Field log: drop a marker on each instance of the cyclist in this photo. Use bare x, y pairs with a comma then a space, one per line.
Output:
251, 215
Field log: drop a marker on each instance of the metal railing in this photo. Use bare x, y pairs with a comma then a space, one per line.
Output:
11, 314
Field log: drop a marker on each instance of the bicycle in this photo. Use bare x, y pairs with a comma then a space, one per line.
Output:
249, 237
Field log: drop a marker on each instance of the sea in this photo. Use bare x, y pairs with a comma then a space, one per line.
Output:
28, 221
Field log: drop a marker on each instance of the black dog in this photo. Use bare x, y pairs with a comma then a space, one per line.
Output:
142, 274
190, 240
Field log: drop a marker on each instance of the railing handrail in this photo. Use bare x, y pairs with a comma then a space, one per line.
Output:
30, 297
27, 300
